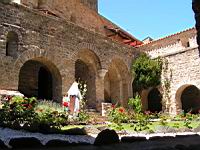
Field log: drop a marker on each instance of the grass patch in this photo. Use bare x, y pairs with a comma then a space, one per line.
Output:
130, 128
72, 127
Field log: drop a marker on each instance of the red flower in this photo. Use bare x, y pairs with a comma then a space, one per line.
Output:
121, 110
9, 97
30, 106
66, 104
113, 106
40, 110
25, 105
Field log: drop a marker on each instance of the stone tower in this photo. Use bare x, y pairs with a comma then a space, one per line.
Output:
93, 4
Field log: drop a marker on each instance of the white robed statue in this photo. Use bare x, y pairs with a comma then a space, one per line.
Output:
75, 97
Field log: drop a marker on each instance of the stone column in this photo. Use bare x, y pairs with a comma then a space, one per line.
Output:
125, 89
130, 86
100, 88
144, 98
175, 106
121, 97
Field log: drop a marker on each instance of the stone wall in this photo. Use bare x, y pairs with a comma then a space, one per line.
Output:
180, 52
76, 11
57, 44
93, 4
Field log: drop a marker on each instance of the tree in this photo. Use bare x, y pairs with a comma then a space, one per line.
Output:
146, 72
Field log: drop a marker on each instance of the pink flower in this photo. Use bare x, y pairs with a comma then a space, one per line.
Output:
147, 112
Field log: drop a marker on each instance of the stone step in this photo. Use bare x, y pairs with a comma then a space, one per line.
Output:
97, 117
91, 110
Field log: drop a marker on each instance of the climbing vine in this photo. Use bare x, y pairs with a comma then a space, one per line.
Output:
146, 71
166, 84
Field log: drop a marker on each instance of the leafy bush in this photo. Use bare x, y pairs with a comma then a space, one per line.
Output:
51, 114
176, 125
146, 72
141, 122
135, 104
45, 106
22, 111
118, 115
164, 119
53, 119
188, 121
83, 115
18, 109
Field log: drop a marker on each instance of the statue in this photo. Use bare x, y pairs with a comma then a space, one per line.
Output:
74, 95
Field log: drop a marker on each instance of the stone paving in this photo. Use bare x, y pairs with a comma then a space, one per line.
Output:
133, 141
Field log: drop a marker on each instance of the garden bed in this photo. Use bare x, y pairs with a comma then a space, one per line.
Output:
27, 121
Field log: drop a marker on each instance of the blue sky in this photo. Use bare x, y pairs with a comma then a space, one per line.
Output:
154, 18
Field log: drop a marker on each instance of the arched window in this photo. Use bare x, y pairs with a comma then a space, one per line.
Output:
12, 44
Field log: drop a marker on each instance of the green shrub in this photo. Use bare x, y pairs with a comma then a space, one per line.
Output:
18, 111
118, 115
141, 122
51, 114
53, 119
46, 105
135, 104
146, 72
164, 119
188, 121
83, 116
176, 125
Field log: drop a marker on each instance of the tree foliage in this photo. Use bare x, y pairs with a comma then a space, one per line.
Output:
146, 72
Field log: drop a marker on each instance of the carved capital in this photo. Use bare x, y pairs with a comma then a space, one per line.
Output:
102, 73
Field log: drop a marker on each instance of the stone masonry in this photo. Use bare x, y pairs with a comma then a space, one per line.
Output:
41, 55
180, 52
46, 45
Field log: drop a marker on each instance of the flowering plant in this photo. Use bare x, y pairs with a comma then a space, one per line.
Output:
65, 104
83, 115
18, 109
118, 115
21, 112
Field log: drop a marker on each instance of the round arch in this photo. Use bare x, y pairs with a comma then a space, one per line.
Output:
44, 57
116, 82
39, 77
188, 98
87, 65
154, 100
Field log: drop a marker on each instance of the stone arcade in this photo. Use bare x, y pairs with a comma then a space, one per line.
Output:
45, 46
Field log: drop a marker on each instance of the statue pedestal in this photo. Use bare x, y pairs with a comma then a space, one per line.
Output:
106, 107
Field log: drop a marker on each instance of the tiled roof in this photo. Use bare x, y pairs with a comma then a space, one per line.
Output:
167, 37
